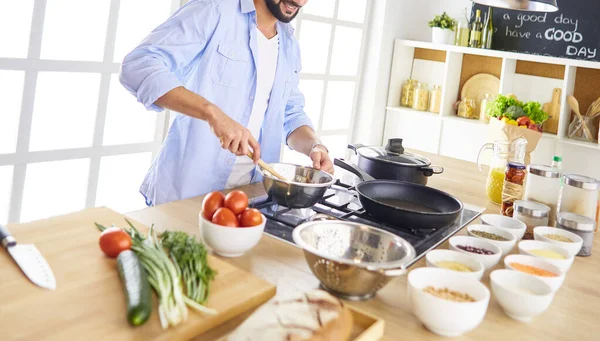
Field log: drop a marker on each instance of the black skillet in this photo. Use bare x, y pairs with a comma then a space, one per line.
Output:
404, 204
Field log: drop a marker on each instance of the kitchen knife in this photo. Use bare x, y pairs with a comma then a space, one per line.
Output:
29, 259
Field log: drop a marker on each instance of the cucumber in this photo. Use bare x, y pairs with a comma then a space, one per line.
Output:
138, 296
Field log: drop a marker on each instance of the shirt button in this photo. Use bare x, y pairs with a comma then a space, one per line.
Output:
251, 97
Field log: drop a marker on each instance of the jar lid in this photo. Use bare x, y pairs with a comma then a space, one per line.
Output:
576, 221
531, 209
516, 165
581, 181
544, 171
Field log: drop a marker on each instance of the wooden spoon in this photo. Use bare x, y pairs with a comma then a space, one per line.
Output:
268, 168
575, 107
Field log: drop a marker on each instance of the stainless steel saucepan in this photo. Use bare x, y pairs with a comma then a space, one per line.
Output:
304, 186
351, 260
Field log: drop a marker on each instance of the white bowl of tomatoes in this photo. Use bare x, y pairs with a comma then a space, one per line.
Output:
228, 226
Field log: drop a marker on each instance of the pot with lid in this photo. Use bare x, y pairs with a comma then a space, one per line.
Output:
393, 163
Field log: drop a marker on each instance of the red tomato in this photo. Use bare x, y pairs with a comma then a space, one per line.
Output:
225, 217
251, 217
237, 201
114, 240
211, 203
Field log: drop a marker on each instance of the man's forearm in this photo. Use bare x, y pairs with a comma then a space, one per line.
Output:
302, 139
186, 102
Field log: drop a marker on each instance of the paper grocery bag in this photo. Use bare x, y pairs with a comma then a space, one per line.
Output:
500, 131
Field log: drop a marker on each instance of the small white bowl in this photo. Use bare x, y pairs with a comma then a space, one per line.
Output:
488, 261
521, 296
230, 241
574, 247
554, 282
442, 316
505, 246
564, 264
434, 256
516, 227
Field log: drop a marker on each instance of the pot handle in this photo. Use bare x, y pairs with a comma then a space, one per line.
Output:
362, 175
355, 146
429, 171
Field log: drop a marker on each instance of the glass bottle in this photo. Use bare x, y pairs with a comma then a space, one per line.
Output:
406, 96
476, 31
488, 30
484, 108
436, 99
462, 33
421, 97
503, 153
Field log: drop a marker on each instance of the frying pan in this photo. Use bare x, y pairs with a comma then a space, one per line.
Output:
404, 204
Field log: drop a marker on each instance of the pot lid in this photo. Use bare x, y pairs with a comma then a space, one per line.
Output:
393, 153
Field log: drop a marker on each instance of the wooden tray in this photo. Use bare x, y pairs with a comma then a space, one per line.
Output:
89, 303
366, 327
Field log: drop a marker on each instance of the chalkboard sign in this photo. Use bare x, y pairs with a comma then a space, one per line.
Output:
571, 32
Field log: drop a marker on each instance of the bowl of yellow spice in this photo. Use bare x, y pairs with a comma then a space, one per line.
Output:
552, 253
455, 261
553, 235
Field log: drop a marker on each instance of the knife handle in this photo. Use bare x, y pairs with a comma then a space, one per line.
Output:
5, 238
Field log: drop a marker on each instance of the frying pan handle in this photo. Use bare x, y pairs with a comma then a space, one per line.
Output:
355, 146
363, 176
429, 171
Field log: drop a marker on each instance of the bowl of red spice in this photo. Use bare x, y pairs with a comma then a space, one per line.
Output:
482, 250
505, 240
536, 267
446, 302
553, 235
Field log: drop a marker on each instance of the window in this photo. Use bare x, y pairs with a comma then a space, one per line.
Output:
331, 34
70, 135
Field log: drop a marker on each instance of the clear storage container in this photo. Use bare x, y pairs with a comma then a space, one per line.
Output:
532, 214
579, 195
421, 97
435, 101
543, 186
407, 93
580, 225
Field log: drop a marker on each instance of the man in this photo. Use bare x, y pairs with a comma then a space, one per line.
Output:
231, 68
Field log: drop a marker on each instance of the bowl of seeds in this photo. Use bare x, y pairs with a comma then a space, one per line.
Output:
553, 235
552, 253
481, 249
536, 267
497, 236
456, 261
447, 302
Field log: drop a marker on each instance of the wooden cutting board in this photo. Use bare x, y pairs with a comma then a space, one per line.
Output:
553, 110
89, 303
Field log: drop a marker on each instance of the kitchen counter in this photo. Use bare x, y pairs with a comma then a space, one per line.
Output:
571, 315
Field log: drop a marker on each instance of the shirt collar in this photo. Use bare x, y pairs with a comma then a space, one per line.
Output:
247, 6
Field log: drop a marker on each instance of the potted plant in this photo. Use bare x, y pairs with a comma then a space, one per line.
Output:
443, 28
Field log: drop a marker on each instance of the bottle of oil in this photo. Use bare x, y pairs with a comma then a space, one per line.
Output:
488, 30
476, 31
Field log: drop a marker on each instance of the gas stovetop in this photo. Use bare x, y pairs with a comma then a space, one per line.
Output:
341, 202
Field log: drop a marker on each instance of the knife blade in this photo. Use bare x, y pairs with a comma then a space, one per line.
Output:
30, 260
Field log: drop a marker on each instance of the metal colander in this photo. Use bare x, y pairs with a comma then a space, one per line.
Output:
352, 260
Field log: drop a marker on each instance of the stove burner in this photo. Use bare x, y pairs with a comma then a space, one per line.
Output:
341, 202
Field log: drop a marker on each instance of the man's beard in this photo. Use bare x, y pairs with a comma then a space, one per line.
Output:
278, 13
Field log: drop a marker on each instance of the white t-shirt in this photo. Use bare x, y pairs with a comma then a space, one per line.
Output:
266, 65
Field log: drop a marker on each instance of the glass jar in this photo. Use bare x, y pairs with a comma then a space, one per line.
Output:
580, 225
503, 152
466, 109
408, 90
543, 186
485, 106
512, 190
462, 33
436, 99
579, 195
421, 97
532, 214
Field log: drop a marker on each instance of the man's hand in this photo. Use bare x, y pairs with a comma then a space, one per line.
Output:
233, 136
321, 160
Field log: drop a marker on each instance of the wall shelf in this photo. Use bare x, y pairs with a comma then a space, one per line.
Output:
529, 77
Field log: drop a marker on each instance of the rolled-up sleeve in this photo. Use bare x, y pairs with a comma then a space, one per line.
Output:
150, 70
295, 117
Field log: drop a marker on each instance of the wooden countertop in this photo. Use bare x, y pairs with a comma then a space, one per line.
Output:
571, 315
